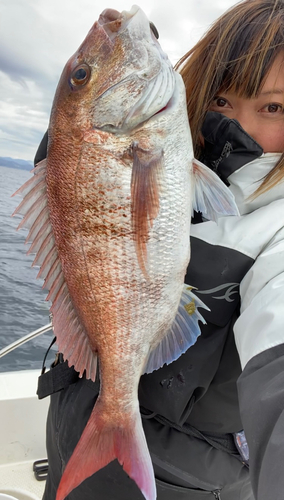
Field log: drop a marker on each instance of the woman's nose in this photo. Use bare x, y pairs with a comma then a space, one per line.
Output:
248, 123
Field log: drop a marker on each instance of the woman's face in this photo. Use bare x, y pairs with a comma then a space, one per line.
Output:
261, 117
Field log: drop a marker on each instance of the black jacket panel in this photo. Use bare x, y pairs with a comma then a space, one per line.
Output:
261, 396
174, 390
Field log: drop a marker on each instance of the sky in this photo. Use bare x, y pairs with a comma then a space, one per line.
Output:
37, 37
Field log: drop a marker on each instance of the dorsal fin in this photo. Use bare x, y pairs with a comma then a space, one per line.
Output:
145, 197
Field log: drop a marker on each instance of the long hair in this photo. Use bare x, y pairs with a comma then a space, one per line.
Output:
234, 55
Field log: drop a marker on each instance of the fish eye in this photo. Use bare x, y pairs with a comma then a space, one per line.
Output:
154, 30
80, 76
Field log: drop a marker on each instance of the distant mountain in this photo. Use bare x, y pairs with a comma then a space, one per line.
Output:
6, 161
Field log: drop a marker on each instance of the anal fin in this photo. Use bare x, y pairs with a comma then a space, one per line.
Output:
182, 334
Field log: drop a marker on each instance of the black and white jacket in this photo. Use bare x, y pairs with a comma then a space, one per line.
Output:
233, 377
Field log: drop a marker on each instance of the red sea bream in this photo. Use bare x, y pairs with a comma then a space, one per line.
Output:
108, 214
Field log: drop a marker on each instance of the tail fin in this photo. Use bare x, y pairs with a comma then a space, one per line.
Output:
100, 444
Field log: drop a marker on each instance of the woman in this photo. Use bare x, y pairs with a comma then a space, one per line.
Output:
195, 409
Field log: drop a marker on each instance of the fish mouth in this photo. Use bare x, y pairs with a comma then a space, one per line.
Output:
113, 21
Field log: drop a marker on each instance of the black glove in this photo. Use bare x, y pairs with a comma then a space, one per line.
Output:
42, 149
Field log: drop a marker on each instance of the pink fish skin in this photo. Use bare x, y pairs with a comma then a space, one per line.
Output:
108, 214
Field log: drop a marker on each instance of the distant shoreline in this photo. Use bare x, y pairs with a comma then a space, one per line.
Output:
16, 163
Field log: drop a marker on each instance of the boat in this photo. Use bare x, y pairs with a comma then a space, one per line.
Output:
23, 462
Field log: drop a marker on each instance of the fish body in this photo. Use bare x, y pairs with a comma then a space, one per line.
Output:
109, 215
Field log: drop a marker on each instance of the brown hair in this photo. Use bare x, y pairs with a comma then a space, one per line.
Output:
235, 54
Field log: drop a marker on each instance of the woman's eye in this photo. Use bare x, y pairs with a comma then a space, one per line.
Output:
273, 108
220, 102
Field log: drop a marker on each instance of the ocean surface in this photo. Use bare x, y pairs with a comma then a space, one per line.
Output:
23, 308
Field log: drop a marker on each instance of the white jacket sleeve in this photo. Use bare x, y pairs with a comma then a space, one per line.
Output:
261, 322
259, 334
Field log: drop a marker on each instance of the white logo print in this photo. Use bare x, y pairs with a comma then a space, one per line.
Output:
229, 288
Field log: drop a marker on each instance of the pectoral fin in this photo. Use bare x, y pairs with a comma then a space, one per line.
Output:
145, 196
211, 196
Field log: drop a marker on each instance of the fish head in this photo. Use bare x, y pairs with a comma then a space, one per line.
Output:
117, 79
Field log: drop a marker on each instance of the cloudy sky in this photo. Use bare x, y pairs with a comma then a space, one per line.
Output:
37, 37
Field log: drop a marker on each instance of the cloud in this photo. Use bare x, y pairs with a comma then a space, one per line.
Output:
37, 37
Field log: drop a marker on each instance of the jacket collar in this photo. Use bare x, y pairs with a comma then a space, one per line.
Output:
244, 182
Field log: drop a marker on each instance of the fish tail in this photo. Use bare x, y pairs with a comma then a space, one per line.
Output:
101, 443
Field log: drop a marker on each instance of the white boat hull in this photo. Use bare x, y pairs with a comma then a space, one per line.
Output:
22, 434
